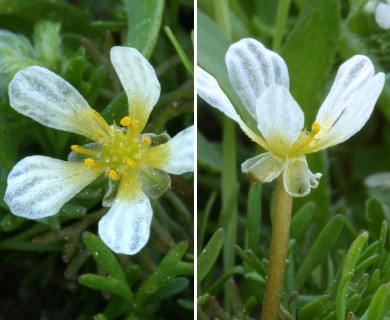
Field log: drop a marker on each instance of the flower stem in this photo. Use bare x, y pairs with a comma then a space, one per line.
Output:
278, 251
281, 17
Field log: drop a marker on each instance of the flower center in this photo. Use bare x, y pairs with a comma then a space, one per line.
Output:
120, 152
302, 145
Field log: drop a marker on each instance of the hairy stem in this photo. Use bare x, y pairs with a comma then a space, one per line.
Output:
279, 243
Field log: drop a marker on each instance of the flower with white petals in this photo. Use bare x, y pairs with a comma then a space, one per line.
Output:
260, 78
137, 166
382, 15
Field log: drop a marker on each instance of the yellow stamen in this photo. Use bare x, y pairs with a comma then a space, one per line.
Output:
82, 150
315, 128
90, 163
132, 163
147, 140
113, 175
125, 121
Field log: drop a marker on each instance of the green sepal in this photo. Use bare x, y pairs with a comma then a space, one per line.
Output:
158, 138
110, 195
154, 182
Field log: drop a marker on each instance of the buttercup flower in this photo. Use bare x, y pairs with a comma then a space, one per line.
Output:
136, 166
260, 78
382, 15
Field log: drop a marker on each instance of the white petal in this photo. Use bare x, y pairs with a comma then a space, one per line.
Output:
351, 77
176, 156
126, 227
280, 119
252, 69
140, 82
314, 179
39, 186
263, 168
382, 15
378, 180
296, 177
210, 91
47, 98
356, 113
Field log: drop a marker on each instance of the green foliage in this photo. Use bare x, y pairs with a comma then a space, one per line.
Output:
58, 264
144, 20
338, 256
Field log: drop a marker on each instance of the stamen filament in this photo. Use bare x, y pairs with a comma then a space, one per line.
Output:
132, 163
315, 128
82, 150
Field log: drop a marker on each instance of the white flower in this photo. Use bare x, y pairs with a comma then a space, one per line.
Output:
39, 186
382, 15
260, 78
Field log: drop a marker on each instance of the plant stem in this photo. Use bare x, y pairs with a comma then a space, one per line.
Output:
278, 251
281, 16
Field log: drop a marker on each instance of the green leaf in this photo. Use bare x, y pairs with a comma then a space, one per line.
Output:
117, 109
71, 18
309, 52
302, 220
11, 222
171, 266
144, 21
353, 254
252, 260
376, 212
253, 220
172, 287
96, 82
47, 42
313, 309
342, 295
75, 69
106, 284
354, 302
180, 51
319, 250
210, 254
103, 256
380, 304
209, 155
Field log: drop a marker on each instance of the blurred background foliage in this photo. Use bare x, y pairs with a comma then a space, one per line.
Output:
338, 258
57, 268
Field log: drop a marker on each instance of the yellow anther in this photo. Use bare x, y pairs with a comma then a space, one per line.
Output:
113, 175
132, 163
90, 163
82, 150
147, 140
315, 128
125, 121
